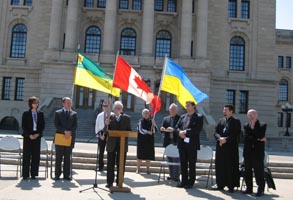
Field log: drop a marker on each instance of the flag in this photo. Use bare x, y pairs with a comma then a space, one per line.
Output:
89, 74
127, 79
175, 81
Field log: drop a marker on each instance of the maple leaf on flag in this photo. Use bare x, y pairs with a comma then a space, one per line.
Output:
142, 84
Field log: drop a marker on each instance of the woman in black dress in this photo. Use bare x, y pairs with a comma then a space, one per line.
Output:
33, 124
146, 129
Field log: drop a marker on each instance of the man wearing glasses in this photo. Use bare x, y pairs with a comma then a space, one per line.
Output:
118, 121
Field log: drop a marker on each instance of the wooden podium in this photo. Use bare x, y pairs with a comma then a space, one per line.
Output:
123, 135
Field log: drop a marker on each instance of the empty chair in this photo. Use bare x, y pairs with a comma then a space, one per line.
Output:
10, 149
170, 151
205, 154
45, 155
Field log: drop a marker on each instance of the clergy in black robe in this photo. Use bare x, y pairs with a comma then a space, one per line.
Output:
146, 128
253, 152
227, 158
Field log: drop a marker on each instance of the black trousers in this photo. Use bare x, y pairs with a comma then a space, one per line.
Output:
102, 145
257, 164
31, 157
113, 157
187, 161
63, 152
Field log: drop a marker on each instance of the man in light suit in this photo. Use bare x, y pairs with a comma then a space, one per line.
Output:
65, 121
118, 121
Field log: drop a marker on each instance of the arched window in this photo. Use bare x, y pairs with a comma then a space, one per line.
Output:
283, 90
163, 44
92, 40
128, 42
237, 54
18, 41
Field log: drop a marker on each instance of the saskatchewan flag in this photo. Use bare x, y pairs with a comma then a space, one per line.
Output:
89, 74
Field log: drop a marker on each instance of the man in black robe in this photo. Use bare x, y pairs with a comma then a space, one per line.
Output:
227, 158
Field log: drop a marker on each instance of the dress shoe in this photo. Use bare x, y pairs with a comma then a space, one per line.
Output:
188, 186
231, 190
67, 178
176, 179
24, 178
109, 185
259, 193
180, 185
247, 192
169, 178
33, 177
56, 179
215, 187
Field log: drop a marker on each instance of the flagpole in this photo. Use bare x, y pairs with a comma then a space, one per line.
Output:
72, 88
162, 78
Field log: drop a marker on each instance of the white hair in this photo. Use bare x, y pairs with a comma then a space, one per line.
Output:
145, 110
117, 103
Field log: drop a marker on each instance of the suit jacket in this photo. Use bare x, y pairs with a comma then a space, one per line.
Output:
193, 130
251, 136
65, 122
167, 123
27, 123
122, 125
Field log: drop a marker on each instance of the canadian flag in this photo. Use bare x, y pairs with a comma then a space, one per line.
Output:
127, 79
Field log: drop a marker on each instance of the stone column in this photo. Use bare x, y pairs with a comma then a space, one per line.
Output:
71, 25
186, 29
147, 28
55, 24
110, 27
202, 29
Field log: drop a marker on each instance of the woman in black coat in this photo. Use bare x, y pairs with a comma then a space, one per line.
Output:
146, 129
33, 124
253, 152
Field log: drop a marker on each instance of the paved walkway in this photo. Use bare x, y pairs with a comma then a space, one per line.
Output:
142, 186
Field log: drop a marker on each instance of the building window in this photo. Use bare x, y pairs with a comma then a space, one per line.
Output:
18, 41
237, 54
89, 3
19, 88
280, 61
123, 4
14, 2
128, 42
127, 100
232, 8
92, 40
280, 119
288, 62
28, 2
163, 44
245, 9
6, 85
159, 5
243, 102
171, 7
230, 98
136, 5
101, 4
283, 90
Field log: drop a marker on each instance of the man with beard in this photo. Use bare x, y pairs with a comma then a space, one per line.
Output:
227, 158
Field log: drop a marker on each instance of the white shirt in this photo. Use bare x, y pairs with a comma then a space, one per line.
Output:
100, 122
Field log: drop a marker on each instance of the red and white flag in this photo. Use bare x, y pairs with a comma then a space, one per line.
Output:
127, 79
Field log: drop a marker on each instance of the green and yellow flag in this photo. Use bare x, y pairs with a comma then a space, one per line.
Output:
89, 74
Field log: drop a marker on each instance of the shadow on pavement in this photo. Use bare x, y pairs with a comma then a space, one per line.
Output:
64, 185
28, 184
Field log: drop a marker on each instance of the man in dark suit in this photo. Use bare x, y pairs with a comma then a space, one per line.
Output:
118, 121
33, 124
253, 152
227, 157
65, 121
170, 137
188, 129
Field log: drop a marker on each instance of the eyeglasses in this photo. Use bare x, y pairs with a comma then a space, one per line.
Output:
105, 105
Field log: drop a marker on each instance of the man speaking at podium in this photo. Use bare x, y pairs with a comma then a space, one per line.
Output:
121, 122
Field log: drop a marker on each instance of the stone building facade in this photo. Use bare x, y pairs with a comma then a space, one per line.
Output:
229, 49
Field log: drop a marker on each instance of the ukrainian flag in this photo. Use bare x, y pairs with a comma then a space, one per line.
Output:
89, 74
175, 81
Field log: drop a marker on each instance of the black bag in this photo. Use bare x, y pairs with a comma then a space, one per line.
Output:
269, 179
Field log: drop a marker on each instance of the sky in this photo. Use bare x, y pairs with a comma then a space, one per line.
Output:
284, 14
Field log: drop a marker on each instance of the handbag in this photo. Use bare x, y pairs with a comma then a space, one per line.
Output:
61, 140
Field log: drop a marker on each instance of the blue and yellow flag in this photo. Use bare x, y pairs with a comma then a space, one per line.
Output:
89, 74
175, 81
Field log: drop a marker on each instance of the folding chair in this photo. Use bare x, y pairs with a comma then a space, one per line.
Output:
45, 155
170, 151
10, 149
205, 154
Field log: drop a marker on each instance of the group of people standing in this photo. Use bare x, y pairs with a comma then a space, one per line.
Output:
182, 131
